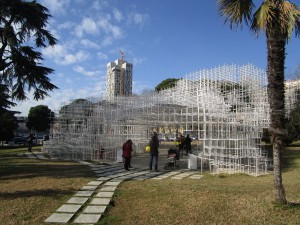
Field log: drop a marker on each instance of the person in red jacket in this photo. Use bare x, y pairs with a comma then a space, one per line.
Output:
127, 149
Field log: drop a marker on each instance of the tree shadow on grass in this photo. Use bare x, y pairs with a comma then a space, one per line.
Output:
15, 167
294, 204
57, 170
34, 193
290, 158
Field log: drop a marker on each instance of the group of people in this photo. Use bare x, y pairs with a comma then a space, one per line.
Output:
184, 144
127, 152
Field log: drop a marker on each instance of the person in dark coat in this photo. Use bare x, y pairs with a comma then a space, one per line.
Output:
187, 144
30, 140
127, 149
181, 144
154, 144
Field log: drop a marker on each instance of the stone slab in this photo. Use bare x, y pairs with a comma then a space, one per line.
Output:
100, 201
84, 193
172, 173
105, 194
59, 218
95, 209
95, 183
77, 200
176, 178
157, 178
108, 188
118, 179
69, 208
181, 176
112, 183
141, 173
103, 178
88, 188
125, 177
87, 218
164, 177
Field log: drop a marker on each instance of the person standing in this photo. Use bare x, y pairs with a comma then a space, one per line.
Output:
30, 140
127, 149
154, 144
187, 144
181, 144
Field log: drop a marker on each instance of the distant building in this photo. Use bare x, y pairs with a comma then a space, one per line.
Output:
118, 79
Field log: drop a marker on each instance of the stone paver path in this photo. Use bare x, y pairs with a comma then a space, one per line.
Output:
90, 202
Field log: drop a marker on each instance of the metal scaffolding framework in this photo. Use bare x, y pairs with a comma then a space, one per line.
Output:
225, 107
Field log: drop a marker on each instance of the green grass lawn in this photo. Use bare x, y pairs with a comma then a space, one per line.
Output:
31, 190
223, 199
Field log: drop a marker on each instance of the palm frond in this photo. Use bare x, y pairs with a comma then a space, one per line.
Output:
282, 16
289, 17
263, 16
297, 28
236, 11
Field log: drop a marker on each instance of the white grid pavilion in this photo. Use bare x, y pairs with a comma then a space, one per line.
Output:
226, 107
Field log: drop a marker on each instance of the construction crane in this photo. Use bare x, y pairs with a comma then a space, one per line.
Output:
121, 70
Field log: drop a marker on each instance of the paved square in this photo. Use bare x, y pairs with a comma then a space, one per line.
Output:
88, 188
77, 200
103, 178
100, 201
84, 193
112, 183
68, 208
95, 183
105, 194
108, 188
118, 179
87, 218
95, 209
59, 218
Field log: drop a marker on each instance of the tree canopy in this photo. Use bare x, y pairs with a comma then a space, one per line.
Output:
8, 124
167, 83
22, 29
39, 118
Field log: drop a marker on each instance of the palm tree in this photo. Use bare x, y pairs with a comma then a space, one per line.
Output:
278, 19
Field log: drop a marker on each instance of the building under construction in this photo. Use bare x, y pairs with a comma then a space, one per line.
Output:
226, 108
118, 78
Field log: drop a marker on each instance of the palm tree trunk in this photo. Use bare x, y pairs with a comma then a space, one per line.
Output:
276, 58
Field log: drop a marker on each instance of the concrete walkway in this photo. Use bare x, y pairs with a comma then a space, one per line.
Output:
90, 202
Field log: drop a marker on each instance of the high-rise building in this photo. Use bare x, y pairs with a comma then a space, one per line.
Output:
118, 79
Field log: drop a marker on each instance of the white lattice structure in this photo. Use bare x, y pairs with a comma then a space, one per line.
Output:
226, 107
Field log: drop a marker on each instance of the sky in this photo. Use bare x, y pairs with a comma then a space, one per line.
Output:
161, 38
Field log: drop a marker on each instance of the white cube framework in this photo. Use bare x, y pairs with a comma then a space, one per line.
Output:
226, 107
